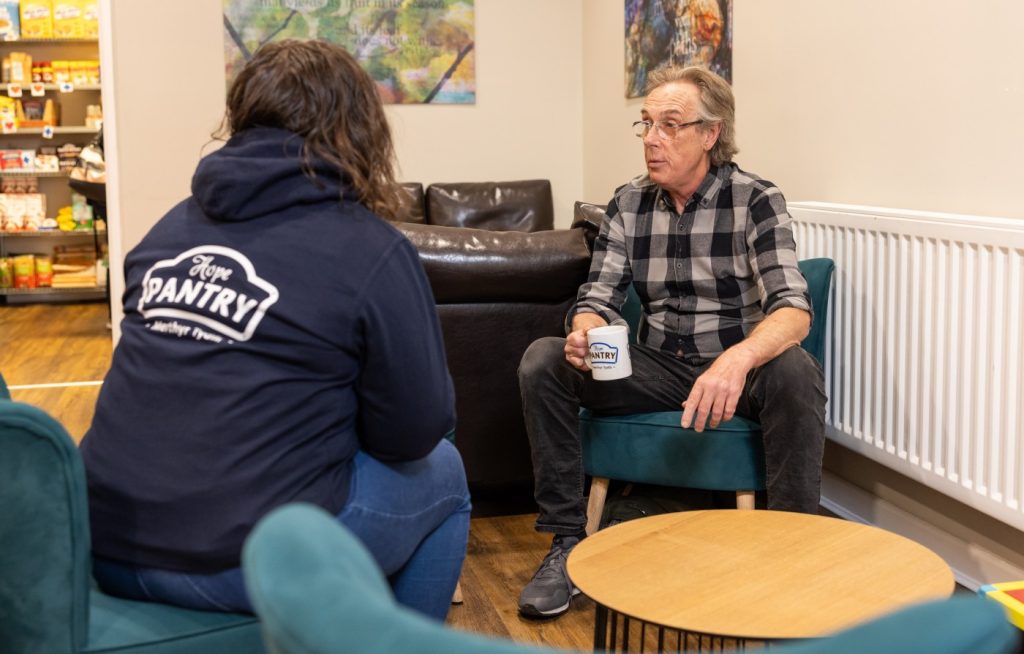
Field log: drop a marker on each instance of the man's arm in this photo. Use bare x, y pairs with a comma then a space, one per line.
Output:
716, 392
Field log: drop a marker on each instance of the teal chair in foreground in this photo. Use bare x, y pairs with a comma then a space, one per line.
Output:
47, 604
4, 393
318, 591
653, 448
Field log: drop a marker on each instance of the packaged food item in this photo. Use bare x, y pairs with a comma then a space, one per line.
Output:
91, 19
14, 210
35, 211
67, 155
46, 160
81, 211
44, 271
10, 160
10, 20
68, 19
36, 19
25, 271
6, 272
61, 71
21, 67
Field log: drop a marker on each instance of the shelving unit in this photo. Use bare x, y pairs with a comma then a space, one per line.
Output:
54, 185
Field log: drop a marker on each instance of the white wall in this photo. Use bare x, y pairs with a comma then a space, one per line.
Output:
526, 120
915, 104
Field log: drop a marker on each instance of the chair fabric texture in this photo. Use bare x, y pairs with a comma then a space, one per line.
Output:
318, 591
46, 600
653, 448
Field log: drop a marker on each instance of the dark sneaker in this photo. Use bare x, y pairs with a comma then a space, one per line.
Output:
548, 593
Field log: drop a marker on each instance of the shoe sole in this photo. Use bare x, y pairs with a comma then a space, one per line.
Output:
530, 611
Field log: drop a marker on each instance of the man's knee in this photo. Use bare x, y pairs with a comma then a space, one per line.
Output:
795, 370
541, 357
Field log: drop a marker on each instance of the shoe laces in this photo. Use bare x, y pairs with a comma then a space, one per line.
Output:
554, 563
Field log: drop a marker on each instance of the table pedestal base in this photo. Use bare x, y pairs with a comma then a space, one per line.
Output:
617, 632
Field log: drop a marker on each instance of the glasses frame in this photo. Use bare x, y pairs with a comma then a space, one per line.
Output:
642, 127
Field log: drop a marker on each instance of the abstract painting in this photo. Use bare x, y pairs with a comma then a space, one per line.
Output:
417, 51
676, 33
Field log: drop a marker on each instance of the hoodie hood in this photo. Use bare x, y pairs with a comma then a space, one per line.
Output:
259, 171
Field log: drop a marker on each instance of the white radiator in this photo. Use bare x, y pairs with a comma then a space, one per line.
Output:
924, 370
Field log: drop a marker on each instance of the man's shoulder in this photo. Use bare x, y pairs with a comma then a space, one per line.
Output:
744, 179
628, 196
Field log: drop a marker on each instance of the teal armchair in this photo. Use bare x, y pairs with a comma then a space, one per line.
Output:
653, 448
47, 603
318, 591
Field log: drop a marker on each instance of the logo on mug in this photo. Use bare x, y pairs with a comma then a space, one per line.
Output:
603, 353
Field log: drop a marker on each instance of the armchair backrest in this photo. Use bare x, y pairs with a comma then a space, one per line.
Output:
522, 206
318, 591
44, 532
4, 393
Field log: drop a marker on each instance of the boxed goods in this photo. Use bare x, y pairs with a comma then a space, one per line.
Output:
6, 272
67, 156
46, 160
74, 266
68, 19
44, 271
36, 19
10, 20
91, 19
24, 271
18, 67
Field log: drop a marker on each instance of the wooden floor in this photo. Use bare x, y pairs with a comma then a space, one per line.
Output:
62, 344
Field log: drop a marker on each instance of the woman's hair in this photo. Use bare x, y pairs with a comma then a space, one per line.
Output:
717, 104
318, 91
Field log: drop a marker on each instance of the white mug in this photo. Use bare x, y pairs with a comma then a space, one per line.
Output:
608, 357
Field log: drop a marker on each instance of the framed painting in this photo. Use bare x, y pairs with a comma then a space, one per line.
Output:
417, 51
676, 33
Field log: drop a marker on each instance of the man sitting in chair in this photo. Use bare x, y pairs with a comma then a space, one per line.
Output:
709, 249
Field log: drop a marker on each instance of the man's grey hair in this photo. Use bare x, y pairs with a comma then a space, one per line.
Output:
717, 104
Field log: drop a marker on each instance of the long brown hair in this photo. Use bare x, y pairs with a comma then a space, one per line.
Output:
318, 91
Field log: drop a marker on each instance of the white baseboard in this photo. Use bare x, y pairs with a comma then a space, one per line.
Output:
974, 564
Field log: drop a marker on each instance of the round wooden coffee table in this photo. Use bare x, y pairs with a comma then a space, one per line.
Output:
746, 575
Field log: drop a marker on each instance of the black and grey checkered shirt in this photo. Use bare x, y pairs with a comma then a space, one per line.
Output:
707, 277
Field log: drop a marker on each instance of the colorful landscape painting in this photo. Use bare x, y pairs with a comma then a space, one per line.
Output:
676, 33
418, 51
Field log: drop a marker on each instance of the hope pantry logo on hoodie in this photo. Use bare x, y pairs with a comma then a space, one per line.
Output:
210, 285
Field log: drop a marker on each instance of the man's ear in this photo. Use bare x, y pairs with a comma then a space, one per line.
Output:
711, 135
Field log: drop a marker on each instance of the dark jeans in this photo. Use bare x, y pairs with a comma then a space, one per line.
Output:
413, 516
786, 395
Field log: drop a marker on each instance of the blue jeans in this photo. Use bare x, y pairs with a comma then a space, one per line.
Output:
413, 516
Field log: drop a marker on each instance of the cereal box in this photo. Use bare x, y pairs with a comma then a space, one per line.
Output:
36, 19
10, 20
90, 19
68, 19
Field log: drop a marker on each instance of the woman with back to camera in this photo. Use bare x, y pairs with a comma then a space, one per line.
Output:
280, 343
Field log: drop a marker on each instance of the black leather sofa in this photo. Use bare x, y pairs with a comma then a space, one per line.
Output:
497, 290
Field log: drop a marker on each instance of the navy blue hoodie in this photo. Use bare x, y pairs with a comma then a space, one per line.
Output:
271, 329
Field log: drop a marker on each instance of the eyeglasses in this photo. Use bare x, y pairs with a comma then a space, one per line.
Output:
666, 129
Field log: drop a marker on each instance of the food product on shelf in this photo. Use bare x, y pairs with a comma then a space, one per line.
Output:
68, 19
25, 271
46, 160
10, 20
67, 155
36, 19
44, 271
6, 272
20, 67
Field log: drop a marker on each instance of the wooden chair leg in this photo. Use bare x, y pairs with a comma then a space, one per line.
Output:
745, 500
595, 506
457, 595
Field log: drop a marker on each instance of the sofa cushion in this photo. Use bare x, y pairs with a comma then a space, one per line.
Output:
475, 265
414, 203
523, 206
